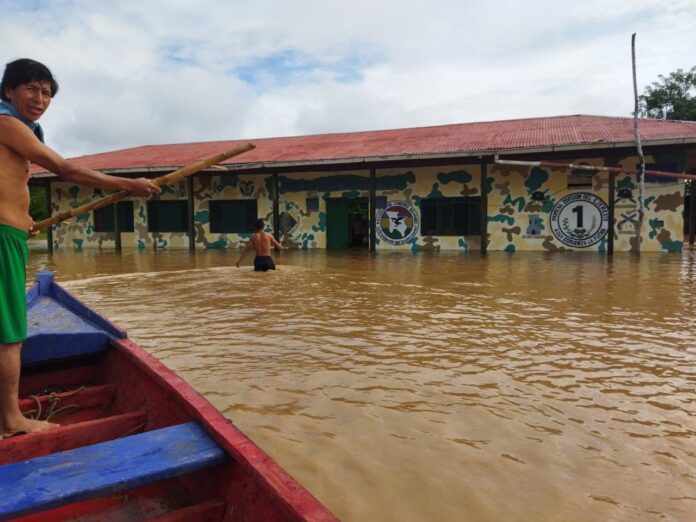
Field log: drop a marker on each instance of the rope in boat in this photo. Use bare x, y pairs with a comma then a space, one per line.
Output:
53, 402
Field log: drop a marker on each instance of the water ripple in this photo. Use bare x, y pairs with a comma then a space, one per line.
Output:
442, 381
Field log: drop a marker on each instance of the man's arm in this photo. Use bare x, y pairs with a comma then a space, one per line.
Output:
274, 242
17, 136
248, 247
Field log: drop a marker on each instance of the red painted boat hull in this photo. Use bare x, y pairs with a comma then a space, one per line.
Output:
123, 391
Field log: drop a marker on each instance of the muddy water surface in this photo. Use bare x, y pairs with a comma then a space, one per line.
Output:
448, 387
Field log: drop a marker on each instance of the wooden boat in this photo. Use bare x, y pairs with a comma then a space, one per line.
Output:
135, 441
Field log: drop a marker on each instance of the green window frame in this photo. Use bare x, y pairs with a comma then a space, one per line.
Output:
104, 218
450, 216
167, 216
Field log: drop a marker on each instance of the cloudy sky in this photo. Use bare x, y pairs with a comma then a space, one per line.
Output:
142, 72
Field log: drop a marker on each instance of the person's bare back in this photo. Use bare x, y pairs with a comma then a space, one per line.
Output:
261, 242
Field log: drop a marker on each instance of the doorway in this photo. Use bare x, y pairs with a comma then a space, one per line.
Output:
347, 223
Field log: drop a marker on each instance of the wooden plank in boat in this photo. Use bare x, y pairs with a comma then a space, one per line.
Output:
65, 438
101, 469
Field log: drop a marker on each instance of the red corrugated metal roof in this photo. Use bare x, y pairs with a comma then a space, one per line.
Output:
465, 138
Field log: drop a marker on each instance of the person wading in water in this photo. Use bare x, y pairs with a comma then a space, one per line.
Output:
27, 89
261, 242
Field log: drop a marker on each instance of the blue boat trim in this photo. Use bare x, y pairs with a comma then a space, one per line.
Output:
101, 469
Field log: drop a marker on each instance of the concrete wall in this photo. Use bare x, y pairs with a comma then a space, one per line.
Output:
524, 205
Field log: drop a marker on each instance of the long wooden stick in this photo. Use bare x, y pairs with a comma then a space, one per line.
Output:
161, 180
574, 166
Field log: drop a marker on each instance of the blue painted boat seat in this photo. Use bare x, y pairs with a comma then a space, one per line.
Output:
102, 469
56, 332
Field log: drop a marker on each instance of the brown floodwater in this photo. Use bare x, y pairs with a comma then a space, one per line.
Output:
434, 386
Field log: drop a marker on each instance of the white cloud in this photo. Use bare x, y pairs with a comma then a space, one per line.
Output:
139, 72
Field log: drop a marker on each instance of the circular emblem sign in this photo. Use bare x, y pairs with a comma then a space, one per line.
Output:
580, 220
397, 223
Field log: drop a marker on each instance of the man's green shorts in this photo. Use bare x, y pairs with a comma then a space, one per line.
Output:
14, 256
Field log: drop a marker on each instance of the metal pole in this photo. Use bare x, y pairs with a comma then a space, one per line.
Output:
373, 209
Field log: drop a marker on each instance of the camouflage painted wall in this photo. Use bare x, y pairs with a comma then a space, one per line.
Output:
79, 232
520, 205
303, 227
521, 202
224, 187
413, 185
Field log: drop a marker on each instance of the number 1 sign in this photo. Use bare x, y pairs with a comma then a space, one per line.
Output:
580, 220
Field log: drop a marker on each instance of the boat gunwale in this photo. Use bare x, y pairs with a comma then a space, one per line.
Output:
293, 498
290, 497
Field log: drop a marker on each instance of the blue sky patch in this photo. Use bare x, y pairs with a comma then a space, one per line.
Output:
292, 66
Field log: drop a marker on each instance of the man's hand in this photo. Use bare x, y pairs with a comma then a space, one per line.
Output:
33, 231
237, 263
144, 187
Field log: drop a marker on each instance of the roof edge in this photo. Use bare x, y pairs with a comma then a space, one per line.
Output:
366, 160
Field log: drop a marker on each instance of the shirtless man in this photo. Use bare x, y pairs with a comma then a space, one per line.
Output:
261, 242
26, 90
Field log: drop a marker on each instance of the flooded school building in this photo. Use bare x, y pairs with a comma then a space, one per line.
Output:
428, 188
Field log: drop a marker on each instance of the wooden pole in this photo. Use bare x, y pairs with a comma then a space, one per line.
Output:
117, 229
191, 210
373, 209
276, 208
49, 232
639, 148
484, 207
161, 180
612, 212
692, 212
552, 165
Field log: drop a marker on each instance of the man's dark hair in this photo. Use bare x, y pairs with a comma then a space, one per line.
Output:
26, 70
259, 224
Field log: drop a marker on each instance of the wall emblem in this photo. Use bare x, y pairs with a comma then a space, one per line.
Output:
246, 188
627, 223
624, 199
580, 220
397, 223
535, 228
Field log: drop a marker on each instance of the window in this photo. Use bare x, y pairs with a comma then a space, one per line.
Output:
235, 216
451, 216
104, 218
312, 204
664, 167
167, 216
579, 178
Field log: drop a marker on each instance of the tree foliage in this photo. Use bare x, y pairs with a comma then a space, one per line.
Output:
38, 207
672, 98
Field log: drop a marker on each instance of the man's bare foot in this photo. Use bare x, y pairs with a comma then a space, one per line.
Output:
26, 426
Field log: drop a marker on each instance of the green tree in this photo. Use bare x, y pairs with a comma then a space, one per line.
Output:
37, 207
672, 98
